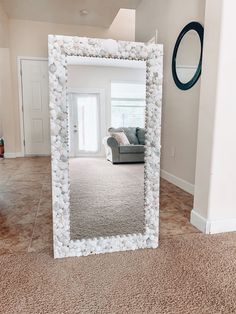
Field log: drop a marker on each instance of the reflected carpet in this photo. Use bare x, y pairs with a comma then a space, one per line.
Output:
105, 199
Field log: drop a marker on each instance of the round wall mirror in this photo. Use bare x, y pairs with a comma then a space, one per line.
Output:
187, 56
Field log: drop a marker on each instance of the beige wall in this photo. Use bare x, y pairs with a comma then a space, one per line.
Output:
4, 31
7, 120
123, 26
29, 39
180, 108
6, 110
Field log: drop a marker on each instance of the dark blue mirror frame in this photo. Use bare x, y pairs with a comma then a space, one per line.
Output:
196, 26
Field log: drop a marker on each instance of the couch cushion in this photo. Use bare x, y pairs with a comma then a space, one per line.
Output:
141, 135
129, 132
131, 149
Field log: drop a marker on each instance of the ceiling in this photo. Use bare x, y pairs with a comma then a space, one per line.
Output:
101, 13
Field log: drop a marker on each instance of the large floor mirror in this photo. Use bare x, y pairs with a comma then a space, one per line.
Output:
105, 101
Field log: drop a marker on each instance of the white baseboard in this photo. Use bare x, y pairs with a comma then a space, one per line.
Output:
13, 155
198, 221
184, 185
212, 226
37, 155
20, 154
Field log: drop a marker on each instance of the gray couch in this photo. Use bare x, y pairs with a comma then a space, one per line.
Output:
125, 153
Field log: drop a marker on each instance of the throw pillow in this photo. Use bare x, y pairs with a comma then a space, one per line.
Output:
121, 138
141, 135
129, 132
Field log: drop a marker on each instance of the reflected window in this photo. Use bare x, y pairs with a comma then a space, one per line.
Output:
128, 104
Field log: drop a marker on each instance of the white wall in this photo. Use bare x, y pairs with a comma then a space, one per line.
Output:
96, 77
29, 39
180, 108
214, 204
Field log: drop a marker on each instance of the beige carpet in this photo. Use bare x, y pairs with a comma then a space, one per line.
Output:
106, 199
187, 274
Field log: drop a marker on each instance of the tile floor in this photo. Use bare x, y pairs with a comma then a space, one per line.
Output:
25, 206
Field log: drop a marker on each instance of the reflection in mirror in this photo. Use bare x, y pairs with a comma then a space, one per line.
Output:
188, 56
106, 99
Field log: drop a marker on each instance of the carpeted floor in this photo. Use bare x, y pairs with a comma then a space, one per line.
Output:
188, 274
106, 199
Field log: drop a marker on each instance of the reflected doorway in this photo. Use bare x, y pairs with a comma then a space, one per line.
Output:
84, 124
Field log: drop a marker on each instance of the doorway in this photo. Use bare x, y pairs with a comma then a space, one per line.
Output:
35, 107
84, 124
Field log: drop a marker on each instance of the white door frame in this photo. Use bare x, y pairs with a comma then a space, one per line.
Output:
20, 98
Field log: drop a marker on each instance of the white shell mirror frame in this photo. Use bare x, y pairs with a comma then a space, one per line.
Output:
60, 47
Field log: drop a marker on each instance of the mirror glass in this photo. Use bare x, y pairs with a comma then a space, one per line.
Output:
106, 100
188, 56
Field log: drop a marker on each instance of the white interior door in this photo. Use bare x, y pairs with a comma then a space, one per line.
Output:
35, 107
84, 124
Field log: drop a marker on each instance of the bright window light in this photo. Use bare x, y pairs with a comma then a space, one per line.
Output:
128, 104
